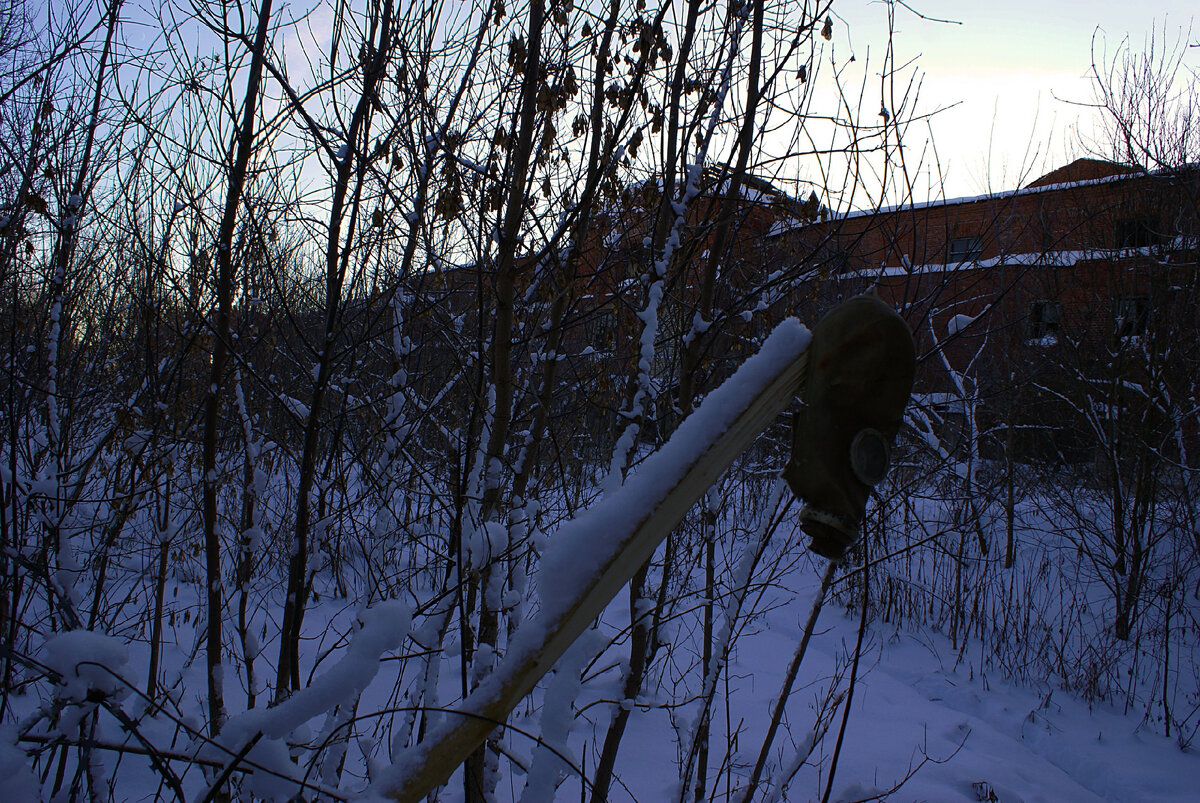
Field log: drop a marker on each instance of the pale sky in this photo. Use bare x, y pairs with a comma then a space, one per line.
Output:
1011, 65
1005, 71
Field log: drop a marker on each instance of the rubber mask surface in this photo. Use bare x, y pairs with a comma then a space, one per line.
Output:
860, 374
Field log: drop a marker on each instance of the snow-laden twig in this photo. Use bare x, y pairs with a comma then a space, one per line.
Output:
383, 628
557, 718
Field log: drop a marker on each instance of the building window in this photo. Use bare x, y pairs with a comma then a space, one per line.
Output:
1139, 232
1045, 322
835, 256
964, 249
1131, 315
599, 328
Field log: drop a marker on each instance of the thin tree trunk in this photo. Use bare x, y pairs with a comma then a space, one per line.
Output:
789, 679
706, 658
349, 164
501, 346
244, 143
638, 646
160, 591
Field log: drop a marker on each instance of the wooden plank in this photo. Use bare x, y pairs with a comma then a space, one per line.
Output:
431, 762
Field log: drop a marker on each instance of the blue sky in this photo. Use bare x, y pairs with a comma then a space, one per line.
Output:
1009, 75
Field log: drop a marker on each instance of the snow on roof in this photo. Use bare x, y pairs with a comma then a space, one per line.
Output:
1057, 259
785, 226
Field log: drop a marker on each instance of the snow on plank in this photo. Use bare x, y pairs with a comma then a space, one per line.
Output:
592, 556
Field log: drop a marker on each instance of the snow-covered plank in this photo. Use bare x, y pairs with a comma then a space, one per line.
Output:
592, 556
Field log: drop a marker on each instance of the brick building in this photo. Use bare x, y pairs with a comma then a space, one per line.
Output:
1076, 291
1041, 305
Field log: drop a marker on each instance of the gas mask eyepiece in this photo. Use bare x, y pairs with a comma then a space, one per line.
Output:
870, 455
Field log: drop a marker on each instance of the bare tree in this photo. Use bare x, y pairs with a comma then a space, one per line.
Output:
362, 306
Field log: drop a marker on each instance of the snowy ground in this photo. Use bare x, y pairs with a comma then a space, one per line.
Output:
1021, 743
984, 738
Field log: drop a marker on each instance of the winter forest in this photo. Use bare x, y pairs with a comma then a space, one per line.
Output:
343, 344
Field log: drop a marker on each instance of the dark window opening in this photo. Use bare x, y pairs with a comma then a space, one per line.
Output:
833, 256
1131, 316
599, 329
1045, 321
1139, 232
964, 249
837, 263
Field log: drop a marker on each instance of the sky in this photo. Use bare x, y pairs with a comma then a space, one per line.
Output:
1008, 74
1010, 78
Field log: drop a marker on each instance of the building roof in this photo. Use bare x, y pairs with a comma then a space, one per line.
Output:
1082, 170
1080, 173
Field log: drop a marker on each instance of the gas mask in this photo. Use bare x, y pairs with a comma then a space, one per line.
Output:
860, 373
